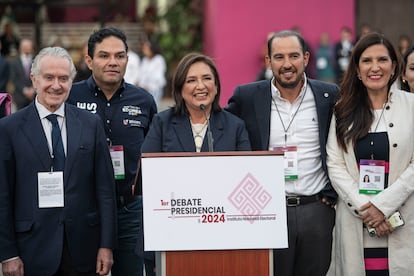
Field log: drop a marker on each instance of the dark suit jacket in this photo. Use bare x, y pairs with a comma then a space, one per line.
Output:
172, 133
19, 80
252, 103
88, 217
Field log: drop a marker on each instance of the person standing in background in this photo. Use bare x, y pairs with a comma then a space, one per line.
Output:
404, 43
324, 60
57, 195
363, 30
310, 70
20, 67
4, 73
9, 40
126, 111
407, 76
342, 53
152, 70
82, 70
265, 72
132, 69
291, 113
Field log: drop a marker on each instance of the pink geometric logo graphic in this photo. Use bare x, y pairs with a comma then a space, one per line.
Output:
249, 197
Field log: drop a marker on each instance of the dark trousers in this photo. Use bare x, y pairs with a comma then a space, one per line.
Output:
310, 241
66, 267
126, 261
149, 263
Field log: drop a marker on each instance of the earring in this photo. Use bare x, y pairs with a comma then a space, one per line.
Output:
404, 81
359, 77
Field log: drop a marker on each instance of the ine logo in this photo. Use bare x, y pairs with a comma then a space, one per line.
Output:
249, 197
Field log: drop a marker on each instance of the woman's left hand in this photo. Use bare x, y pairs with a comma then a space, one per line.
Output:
371, 215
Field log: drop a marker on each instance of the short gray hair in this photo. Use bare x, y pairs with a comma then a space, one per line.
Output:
55, 52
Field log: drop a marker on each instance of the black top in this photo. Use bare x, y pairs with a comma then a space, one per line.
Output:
126, 118
377, 145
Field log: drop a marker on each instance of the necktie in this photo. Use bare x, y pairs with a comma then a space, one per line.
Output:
58, 155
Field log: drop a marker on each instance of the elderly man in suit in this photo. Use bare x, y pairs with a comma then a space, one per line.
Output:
291, 113
57, 197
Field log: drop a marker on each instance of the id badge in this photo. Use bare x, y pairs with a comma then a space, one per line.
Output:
371, 176
290, 159
50, 189
117, 156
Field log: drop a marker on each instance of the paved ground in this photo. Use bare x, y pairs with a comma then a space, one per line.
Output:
1, 274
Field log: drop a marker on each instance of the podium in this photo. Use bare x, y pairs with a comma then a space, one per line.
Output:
215, 262
217, 213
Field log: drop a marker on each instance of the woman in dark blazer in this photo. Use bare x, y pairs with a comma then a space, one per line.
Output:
186, 127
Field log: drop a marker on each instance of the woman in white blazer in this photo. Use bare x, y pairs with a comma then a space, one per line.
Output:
372, 133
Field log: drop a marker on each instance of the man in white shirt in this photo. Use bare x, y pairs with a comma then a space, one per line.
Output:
292, 113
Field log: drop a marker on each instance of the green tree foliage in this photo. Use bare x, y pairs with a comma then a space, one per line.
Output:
184, 30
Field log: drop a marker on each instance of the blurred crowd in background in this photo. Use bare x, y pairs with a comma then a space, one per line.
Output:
331, 58
149, 65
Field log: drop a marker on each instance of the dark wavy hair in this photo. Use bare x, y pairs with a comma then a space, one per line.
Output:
404, 85
181, 74
100, 35
353, 109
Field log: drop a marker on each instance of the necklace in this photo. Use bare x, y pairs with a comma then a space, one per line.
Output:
375, 130
198, 133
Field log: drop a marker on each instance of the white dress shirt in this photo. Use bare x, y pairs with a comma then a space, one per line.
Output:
47, 125
303, 133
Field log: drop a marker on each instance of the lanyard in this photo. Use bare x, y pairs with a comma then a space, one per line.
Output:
285, 129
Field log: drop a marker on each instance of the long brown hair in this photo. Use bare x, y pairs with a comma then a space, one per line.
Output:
353, 109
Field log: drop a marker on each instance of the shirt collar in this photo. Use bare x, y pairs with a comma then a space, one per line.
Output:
44, 112
94, 87
25, 57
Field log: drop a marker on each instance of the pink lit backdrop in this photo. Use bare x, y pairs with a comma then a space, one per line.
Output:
235, 31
